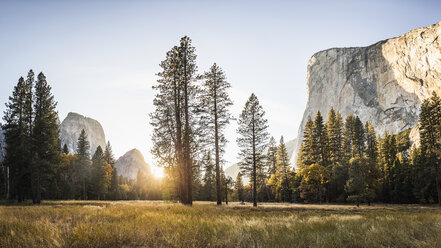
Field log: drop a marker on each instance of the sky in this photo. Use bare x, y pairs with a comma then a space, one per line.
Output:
101, 57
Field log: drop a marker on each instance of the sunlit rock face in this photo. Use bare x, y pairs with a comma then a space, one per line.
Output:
70, 130
130, 163
384, 83
2, 145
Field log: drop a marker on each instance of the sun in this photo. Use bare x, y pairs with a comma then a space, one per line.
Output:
158, 172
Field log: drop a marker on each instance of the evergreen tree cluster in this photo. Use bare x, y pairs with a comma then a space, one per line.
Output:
189, 120
31, 135
347, 161
36, 168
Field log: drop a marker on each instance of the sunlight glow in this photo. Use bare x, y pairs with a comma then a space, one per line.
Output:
158, 172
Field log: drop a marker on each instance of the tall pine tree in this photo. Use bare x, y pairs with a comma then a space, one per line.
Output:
252, 140
217, 102
174, 119
83, 163
46, 144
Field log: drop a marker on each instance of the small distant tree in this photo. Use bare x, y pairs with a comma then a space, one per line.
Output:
253, 139
283, 173
319, 141
208, 188
271, 158
101, 174
65, 150
110, 159
239, 188
141, 185
83, 163
307, 146
227, 183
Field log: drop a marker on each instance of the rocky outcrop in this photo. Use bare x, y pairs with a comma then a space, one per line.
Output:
71, 127
384, 83
130, 163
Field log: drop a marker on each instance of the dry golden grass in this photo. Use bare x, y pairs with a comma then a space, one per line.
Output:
167, 224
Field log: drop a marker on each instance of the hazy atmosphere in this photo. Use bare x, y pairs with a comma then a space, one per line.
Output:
220, 123
101, 57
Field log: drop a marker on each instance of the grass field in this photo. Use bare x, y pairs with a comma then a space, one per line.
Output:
167, 224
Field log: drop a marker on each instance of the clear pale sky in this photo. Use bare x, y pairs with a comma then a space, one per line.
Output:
101, 56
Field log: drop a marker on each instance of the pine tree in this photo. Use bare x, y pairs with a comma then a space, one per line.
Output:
253, 139
110, 159
334, 128
28, 149
227, 183
282, 173
306, 148
353, 137
371, 143
45, 137
217, 102
314, 179
100, 173
174, 119
319, 141
65, 150
334, 132
15, 139
430, 132
209, 179
361, 182
108, 154
271, 157
83, 163
239, 188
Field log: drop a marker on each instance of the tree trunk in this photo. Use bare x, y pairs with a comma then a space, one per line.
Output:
187, 157
216, 147
8, 193
182, 190
84, 190
438, 188
38, 190
254, 166
226, 195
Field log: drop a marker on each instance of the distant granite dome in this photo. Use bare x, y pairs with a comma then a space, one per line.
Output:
71, 127
129, 164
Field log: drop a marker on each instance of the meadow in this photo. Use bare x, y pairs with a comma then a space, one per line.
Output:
168, 224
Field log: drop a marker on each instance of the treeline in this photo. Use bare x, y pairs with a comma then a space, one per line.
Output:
347, 161
34, 166
86, 177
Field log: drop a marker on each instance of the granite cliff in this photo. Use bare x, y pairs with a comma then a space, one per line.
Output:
384, 83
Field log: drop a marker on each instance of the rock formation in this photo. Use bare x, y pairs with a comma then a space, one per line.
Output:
71, 127
129, 164
384, 83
